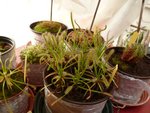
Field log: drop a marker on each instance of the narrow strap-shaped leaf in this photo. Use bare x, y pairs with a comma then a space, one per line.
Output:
68, 89
1, 79
133, 38
113, 74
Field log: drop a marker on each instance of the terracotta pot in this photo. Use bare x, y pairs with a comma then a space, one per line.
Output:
131, 85
38, 35
19, 103
9, 53
35, 74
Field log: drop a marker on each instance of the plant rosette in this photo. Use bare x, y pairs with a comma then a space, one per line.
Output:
14, 94
40, 27
7, 50
132, 76
77, 80
83, 36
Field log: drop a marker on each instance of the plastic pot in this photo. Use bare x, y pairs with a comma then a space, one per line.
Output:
40, 100
10, 52
35, 74
130, 86
148, 54
38, 34
68, 106
19, 103
63, 106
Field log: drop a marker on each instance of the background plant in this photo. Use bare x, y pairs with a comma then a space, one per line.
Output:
48, 26
134, 48
33, 53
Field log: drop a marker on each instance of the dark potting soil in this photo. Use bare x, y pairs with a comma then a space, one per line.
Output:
76, 96
140, 69
4, 46
15, 89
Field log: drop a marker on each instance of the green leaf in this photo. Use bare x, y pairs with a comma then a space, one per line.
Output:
8, 82
1, 79
68, 89
113, 74
105, 81
133, 38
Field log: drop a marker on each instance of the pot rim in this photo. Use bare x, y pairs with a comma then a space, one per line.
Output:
7, 40
33, 24
30, 101
26, 88
148, 53
87, 103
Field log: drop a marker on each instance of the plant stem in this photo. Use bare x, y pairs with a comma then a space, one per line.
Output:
95, 14
141, 14
71, 16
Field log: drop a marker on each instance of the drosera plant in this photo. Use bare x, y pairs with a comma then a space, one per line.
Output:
77, 35
131, 52
12, 82
78, 70
9, 77
134, 48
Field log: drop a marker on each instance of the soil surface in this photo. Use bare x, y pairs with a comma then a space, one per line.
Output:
4, 46
140, 69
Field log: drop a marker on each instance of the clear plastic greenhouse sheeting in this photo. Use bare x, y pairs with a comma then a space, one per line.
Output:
130, 90
118, 15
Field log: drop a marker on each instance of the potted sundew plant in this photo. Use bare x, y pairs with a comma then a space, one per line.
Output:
40, 27
76, 79
15, 95
133, 67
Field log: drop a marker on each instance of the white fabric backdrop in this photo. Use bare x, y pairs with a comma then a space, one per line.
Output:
17, 15
118, 15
